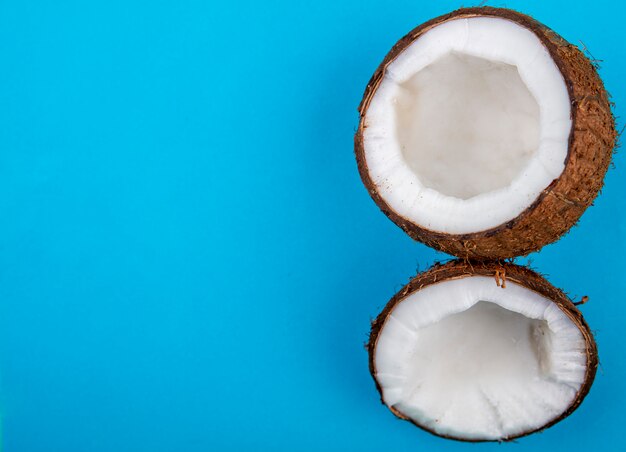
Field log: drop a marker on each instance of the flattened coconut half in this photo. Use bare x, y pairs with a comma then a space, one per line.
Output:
484, 134
482, 352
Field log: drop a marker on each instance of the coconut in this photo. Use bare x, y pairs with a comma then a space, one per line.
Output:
484, 134
482, 352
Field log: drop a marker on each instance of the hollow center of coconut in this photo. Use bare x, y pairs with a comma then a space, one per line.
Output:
468, 359
466, 125
469, 124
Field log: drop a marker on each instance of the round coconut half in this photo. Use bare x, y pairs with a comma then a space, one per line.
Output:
484, 134
487, 352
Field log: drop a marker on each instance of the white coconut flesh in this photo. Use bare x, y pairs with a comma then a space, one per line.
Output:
468, 126
468, 359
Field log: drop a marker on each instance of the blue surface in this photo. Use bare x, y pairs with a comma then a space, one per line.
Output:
188, 259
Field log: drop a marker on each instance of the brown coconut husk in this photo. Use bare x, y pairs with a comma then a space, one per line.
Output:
560, 205
502, 273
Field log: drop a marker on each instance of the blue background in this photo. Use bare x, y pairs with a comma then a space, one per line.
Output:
188, 259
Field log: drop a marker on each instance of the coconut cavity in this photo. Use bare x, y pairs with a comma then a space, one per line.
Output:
467, 359
466, 125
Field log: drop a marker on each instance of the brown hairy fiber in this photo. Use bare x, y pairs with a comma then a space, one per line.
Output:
502, 273
560, 205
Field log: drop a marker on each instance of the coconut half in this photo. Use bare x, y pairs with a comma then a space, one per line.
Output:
471, 358
484, 134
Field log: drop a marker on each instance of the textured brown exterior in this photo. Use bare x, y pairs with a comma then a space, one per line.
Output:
501, 273
558, 207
